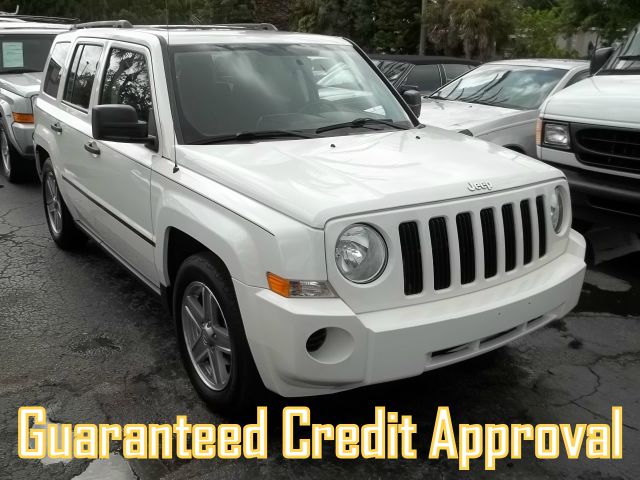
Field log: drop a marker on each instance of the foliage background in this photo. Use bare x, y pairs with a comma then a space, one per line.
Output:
474, 28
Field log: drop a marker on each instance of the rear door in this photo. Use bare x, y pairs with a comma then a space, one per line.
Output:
73, 126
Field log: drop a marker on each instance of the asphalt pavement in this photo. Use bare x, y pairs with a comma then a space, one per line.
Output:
80, 336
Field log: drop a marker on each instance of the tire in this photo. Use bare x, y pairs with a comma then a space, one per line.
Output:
62, 227
226, 377
14, 166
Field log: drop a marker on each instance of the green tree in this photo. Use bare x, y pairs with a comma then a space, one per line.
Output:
476, 28
536, 32
610, 17
347, 18
397, 25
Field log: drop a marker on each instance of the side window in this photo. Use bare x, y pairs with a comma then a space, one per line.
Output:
82, 74
454, 70
425, 77
126, 81
53, 73
577, 77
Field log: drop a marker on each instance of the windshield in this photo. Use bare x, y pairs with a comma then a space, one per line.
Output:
509, 86
230, 89
24, 53
626, 58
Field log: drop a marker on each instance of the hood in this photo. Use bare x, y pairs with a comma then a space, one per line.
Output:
316, 180
459, 116
23, 84
601, 99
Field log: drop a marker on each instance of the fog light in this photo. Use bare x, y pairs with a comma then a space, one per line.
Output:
316, 340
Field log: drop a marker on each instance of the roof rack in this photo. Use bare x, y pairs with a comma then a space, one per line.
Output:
39, 18
221, 26
103, 24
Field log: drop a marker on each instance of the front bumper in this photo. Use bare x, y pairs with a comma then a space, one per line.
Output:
23, 138
597, 196
402, 342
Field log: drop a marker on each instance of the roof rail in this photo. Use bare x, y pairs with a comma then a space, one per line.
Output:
39, 18
104, 24
222, 26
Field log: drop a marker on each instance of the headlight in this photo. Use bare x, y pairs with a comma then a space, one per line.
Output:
556, 207
557, 135
361, 253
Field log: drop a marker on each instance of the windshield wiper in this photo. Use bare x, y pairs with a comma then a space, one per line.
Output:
629, 57
361, 122
248, 136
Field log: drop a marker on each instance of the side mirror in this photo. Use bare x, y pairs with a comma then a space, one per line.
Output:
414, 100
599, 58
118, 123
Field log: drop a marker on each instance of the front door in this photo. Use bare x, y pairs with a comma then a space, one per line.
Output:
120, 175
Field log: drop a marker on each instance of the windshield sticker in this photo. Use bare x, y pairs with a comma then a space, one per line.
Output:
12, 55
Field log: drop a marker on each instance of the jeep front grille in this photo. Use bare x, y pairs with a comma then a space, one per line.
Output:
463, 248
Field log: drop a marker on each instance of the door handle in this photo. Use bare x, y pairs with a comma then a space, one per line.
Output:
56, 127
92, 148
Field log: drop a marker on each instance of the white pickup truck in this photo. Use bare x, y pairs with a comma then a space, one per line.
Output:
306, 240
591, 131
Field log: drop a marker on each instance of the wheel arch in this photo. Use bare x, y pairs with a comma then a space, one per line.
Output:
41, 154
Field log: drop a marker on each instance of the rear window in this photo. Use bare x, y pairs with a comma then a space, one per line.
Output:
52, 77
24, 53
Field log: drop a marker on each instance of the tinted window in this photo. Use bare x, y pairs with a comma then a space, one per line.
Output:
126, 81
82, 74
52, 77
454, 70
24, 53
425, 77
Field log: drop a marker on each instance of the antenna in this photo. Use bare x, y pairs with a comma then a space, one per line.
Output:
175, 153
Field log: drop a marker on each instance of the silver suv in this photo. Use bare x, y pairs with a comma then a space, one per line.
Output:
24, 46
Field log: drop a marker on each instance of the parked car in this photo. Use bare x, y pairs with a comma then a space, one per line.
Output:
24, 46
312, 245
499, 101
592, 132
423, 73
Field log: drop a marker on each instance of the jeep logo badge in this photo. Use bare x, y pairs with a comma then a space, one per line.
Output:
474, 186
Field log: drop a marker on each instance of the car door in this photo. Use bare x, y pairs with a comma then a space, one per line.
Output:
118, 176
72, 126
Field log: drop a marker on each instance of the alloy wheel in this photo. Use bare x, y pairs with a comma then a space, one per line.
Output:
4, 151
54, 206
206, 335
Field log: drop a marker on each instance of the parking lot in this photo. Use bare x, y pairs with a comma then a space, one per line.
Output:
81, 337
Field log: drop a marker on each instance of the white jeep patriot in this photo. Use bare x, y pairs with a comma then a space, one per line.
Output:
309, 235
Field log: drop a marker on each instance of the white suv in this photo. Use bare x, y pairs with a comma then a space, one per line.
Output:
308, 235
